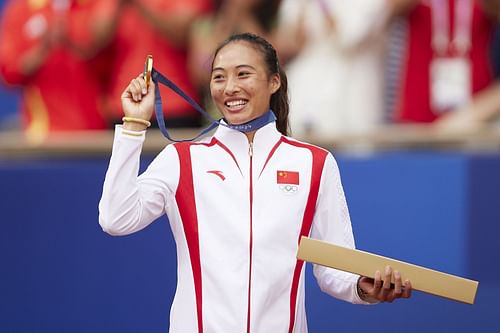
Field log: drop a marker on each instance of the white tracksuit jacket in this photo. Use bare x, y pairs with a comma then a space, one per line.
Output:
236, 220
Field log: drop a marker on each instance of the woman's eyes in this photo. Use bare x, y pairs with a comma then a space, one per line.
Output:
220, 77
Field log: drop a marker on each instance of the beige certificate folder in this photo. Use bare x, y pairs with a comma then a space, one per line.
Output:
364, 263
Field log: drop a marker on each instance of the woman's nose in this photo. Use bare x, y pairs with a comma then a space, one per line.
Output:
231, 86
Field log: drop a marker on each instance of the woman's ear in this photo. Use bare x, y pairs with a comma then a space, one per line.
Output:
275, 82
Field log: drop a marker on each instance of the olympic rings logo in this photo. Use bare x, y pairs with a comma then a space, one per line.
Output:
289, 189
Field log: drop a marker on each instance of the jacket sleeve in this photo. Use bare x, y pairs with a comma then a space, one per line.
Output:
332, 224
130, 202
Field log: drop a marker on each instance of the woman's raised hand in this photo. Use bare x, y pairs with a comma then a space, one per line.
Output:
138, 103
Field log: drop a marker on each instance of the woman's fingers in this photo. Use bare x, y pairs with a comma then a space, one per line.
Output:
407, 289
138, 99
390, 287
137, 88
377, 284
386, 287
397, 283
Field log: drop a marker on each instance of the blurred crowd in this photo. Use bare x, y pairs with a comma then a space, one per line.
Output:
352, 65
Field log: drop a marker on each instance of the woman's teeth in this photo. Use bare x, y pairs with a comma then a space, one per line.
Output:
235, 104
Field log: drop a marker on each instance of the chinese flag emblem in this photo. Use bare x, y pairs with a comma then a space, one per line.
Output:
287, 177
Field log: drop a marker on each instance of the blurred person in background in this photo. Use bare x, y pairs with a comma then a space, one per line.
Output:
336, 81
229, 17
447, 62
163, 28
46, 50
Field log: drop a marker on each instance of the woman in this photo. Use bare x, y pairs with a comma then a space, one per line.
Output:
237, 202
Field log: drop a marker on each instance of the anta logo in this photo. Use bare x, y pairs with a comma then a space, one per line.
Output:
288, 181
218, 173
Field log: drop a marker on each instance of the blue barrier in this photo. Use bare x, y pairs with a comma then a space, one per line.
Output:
9, 106
61, 273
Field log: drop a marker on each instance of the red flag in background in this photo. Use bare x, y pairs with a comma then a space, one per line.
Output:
287, 177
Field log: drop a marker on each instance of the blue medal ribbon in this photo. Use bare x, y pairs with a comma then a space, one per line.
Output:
157, 78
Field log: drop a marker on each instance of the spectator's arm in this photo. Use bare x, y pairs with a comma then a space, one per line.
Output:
86, 40
27, 41
491, 8
358, 22
483, 108
400, 7
175, 25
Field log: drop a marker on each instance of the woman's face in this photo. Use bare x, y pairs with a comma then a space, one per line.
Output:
240, 85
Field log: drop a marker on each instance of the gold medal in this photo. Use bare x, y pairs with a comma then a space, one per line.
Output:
148, 68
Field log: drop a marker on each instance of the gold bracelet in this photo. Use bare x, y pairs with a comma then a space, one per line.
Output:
137, 120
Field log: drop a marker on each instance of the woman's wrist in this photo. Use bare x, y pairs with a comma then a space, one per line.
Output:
135, 124
134, 127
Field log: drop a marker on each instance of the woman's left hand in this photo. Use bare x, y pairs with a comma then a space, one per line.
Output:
378, 290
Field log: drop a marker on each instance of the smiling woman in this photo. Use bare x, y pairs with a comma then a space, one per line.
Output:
238, 202
251, 57
241, 85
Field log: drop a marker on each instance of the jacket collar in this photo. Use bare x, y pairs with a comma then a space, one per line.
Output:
264, 140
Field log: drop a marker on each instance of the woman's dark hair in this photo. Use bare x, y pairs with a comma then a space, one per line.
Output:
279, 100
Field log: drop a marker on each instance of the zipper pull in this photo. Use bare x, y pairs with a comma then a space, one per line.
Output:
250, 149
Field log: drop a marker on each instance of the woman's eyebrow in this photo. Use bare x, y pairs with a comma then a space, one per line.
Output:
238, 67
245, 66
